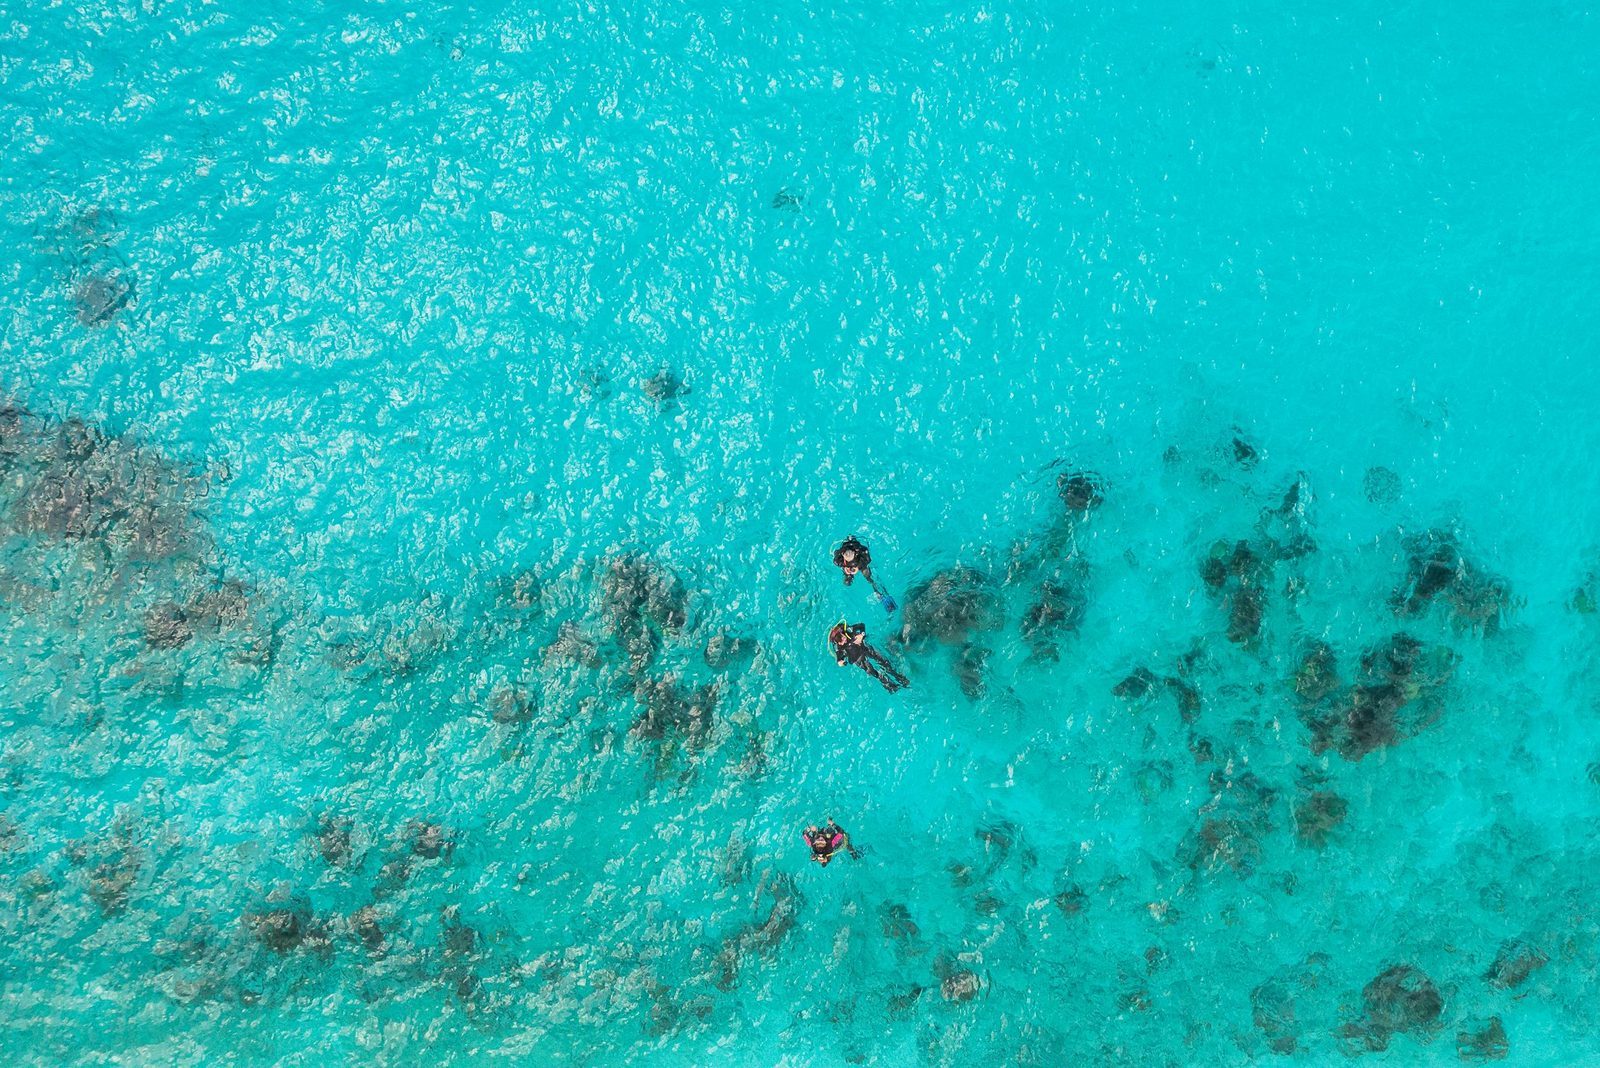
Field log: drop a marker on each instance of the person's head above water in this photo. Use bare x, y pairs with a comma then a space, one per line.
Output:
851, 557
824, 841
843, 634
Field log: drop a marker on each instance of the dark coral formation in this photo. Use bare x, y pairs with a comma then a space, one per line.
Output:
642, 601
429, 840
1437, 571
333, 841
1057, 608
955, 608
166, 626
1401, 1000
281, 930
1080, 491
758, 938
727, 650
1515, 962
668, 708
664, 389
594, 383
1237, 574
1071, 899
1284, 1007
897, 926
957, 983
98, 298
1138, 683
951, 608
71, 482
1482, 1040
1232, 824
1141, 683
1316, 814
287, 924
1381, 485
1399, 694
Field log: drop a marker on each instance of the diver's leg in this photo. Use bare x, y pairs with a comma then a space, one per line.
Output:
893, 671
877, 588
888, 684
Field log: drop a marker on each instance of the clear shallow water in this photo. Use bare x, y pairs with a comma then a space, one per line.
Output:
360, 309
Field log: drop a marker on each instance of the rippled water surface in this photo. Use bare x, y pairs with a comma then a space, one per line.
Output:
424, 429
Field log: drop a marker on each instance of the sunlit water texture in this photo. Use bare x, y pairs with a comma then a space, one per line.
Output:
424, 431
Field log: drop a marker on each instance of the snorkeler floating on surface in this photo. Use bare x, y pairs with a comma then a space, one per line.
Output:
849, 642
851, 557
827, 840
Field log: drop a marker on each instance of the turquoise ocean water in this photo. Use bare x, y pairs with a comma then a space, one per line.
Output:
397, 401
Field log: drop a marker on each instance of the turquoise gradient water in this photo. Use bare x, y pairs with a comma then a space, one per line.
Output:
356, 309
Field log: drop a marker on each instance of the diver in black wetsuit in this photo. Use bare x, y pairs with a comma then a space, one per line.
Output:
849, 643
852, 556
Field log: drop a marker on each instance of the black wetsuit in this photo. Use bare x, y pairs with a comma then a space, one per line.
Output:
862, 561
868, 659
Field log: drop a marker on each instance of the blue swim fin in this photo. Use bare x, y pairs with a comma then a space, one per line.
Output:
887, 602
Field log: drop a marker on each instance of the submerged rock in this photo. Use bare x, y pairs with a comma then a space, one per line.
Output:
1482, 1040
166, 626
665, 388
970, 665
951, 608
98, 298
1401, 1000
725, 650
1437, 570
333, 841
1514, 963
1381, 485
1080, 491
669, 708
428, 840
1285, 1006
1136, 685
960, 985
1316, 815
1399, 694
